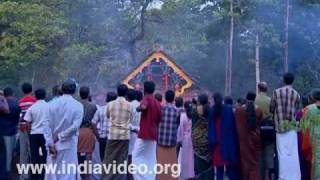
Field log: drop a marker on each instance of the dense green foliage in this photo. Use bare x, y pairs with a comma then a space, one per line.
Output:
98, 41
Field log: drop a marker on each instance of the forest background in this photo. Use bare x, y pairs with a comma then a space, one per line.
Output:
220, 43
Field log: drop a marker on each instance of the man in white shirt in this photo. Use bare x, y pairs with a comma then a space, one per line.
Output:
62, 130
135, 122
132, 97
100, 123
36, 115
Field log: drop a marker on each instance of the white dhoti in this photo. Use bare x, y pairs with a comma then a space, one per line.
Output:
287, 148
133, 138
65, 163
96, 160
144, 154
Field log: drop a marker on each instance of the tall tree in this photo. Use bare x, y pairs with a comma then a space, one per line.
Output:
257, 52
140, 35
229, 57
286, 41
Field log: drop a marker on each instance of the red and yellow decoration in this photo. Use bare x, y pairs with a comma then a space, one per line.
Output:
161, 69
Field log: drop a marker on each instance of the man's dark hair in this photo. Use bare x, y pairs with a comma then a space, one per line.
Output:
251, 110
228, 100
218, 104
56, 90
179, 102
251, 96
194, 101
122, 90
169, 96
241, 101
131, 95
305, 101
189, 109
139, 95
69, 87
7, 92
158, 97
288, 79
149, 87
203, 99
40, 94
316, 94
26, 88
262, 87
111, 96
84, 92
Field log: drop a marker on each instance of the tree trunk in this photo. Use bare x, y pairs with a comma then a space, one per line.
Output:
257, 61
226, 82
141, 34
286, 48
230, 52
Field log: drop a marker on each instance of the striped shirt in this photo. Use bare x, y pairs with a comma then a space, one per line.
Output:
284, 104
168, 126
26, 102
101, 121
136, 116
119, 113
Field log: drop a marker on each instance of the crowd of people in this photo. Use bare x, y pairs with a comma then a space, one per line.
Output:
258, 137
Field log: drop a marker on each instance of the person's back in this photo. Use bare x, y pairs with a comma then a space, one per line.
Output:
287, 101
145, 147
120, 112
28, 99
222, 136
284, 104
248, 118
37, 116
24, 129
89, 110
168, 126
267, 131
311, 139
63, 112
167, 134
62, 130
9, 122
263, 102
136, 116
200, 140
150, 118
8, 126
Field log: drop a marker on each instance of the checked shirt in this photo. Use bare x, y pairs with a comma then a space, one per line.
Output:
168, 127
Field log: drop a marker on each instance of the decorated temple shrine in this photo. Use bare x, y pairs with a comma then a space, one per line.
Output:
161, 69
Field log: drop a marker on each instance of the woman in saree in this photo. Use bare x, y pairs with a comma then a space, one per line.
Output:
202, 155
248, 118
223, 139
185, 158
311, 124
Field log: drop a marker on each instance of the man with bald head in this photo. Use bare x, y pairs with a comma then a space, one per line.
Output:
267, 132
